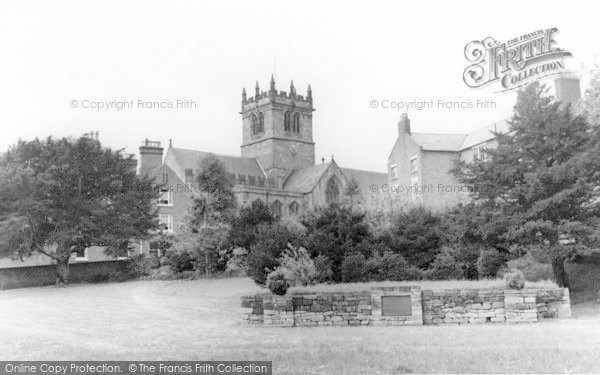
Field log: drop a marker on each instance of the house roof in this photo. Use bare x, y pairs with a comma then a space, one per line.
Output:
190, 159
458, 142
304, 180
439, 142
484, 134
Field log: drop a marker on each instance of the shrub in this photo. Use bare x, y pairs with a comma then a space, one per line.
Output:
263, 257
181, 261
99, 278
353, 268
490, 261
445, 267
323, 266
277, 282
136, 266
297, 265
238, 261
514, 279
532, 269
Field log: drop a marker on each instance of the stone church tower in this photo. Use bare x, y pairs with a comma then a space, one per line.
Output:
277, 130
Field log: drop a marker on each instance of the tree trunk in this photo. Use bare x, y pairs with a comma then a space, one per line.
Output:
62, 272
560, 275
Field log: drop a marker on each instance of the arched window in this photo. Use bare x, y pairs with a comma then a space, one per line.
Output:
296, 128
261, 122
294, 208
287, 121
276, 209
254, 130
332, 192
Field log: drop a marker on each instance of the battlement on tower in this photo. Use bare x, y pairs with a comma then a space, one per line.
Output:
274, 96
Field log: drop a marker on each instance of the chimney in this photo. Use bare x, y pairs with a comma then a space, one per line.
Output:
150, 156
568, 90
404, 125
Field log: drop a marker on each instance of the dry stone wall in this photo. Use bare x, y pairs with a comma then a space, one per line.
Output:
386, 306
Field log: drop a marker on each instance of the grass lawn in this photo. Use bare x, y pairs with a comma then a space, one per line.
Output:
199, 320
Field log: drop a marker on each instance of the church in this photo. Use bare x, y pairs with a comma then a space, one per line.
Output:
276, 164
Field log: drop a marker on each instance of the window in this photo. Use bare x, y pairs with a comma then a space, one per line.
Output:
276, 209
413, 164
165, 178
479, 153
287, 126
261, 181
165, 222
252, 180
241, 179
296, 127
394, 172
294, 208
332, 192
165, 198
81, 254
261, 123
189, 176
254, 124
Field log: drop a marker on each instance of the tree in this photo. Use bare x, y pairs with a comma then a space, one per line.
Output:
335, 231
211, 211
540, 180
415, 234
352, 193
244, 226
59, 196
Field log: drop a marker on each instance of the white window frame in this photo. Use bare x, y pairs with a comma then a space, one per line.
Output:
169, 219
479, 153
84, 258
169, 197
413, 162
394, 171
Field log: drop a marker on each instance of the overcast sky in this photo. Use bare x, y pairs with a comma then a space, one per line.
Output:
351, 53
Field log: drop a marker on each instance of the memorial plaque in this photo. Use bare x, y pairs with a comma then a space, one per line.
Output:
396, 306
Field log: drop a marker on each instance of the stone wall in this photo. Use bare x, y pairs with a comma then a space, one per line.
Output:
407, 306
22, 277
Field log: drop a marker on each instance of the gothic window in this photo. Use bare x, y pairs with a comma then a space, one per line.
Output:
254, 125
294, 208
189, 176
276, 209
332, 192
296, 127
287, 122
261, 123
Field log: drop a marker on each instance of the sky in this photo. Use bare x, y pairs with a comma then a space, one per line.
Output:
56, 56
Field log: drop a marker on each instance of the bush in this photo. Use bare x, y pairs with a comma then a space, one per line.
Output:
277, 282
445, 267
297, 265
353, 268
514, 279
323, 266
263, 257
99, 278
181, 261
238, 261
532, 269
490, 261
136, 266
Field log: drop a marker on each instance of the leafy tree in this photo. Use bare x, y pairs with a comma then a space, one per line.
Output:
590, 104
334, 232
244, 226
59, 196
264, 254
352, 193
211, 211
540, 180
416, 235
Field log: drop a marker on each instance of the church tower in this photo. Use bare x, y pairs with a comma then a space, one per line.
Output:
277, 129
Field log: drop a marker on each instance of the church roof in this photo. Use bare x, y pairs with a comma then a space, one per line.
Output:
190, 159
366, 178
304, 180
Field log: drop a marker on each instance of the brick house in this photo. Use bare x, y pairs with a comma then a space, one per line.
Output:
276, 165
419, 163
